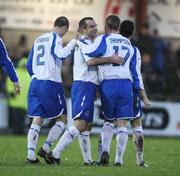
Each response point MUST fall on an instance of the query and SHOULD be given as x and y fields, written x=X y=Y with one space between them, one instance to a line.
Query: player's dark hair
x=82 y=22
x=126 y=28
x=61 y=21
x=113 y=22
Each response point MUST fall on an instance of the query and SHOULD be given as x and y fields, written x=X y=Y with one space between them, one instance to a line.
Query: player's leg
x=106 y=135
x=32 y=139
x=83 y=138
x=82 y=108
x=121 y=141
x=36 y=112
x=85 y=145
x=138 y=137
x=138 y=140
x=54 y=133
x=54 y=105
x=69 y=135
x=124 y=112
x=107 y=93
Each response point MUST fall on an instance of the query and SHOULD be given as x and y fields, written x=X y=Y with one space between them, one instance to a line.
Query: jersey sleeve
x=60 y=52
x=83 y=45
x=96 y=49
x=29 y=62
x=6 y=63
x=135 y=68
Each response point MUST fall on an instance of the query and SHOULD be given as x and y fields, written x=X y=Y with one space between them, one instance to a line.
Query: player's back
x=44 y=65
x=106 y=45
x=115 y=43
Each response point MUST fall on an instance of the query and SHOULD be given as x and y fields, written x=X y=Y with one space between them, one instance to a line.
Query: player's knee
x=122 y=130
x=109 y=123
x=138 y=129
x=80 y=125
x=136 y=122
x=89 y=127
x=37 y=121
x=121 y=123
x=62 y=118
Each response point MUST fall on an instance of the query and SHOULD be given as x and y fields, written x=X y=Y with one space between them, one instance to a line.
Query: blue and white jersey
x=136 y=74
x=46 y=56
x=81 y=71
x=6 y=64
x=106 y=45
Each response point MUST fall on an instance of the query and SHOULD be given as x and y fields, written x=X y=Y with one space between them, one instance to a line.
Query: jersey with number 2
x=45 y=58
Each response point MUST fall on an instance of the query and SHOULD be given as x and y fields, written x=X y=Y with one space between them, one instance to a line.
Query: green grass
x=161 y=154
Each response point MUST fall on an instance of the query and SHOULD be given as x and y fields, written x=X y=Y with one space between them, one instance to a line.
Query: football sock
x=85 y=145
x=107 y=134
x=53 y=135
x=121 y=141
x=68 y=136
x=139 y=143
x=32 y=138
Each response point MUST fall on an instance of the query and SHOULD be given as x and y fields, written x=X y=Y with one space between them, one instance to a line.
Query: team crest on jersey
x=87 y=113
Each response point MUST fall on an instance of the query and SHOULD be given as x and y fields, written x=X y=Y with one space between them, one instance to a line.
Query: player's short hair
x=126 y=28
x=61 y=21
x=113 y=22
x=82 y=22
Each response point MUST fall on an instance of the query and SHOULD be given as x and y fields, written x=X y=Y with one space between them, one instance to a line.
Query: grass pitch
x=161 y=154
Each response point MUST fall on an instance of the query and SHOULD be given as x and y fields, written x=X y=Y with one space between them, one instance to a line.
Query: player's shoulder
x=138 y=54
x=101 y=38
x=127 y=41
x=136 y=48
x=84 y=40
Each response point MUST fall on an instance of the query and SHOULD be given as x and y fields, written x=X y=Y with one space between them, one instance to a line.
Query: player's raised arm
x=96 y=49
x=60 y=52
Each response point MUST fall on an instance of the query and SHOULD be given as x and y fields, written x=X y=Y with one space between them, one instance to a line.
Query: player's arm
x=144 y=98
x=8 y=67
x=137 y=77
x=96 y=49
x=135 y=68
x=60 y=52
x=29 y=61
x=93 y=53
x=114 y=59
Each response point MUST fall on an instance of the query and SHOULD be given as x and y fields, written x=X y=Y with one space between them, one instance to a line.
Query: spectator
x=19 y=50
x=18 y=104
x=144 y=41
x=158 y=58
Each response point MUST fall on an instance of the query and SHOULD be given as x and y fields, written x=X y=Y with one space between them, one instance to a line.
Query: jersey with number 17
x=106 y=45
x=46 y=56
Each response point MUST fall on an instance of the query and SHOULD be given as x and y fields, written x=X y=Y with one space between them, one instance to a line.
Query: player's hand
x=17 y=88
x=115 y=59
x=77 y=33
x=146 y=102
